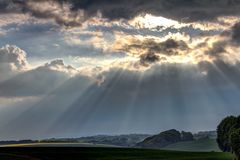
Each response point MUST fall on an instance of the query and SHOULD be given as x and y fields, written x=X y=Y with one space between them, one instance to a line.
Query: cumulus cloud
x=180 y=47
x=152 y=51
x=53 y=78
x=55 y=10
x=147 y=58
x=226 y=46
x=7 y=19
x=169 y=47
x=60 y=12
x=14 y=57
x=12 y=60
x=59 y=66
x=18 y=78
x=38 y=81
x=217 y=49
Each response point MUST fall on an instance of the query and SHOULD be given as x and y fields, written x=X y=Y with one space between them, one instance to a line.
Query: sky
x=72 y=68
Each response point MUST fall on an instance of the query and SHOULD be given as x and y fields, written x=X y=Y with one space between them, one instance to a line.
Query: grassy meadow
x=103 y=153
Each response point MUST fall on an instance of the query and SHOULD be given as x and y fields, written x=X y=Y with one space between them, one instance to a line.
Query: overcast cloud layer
x=186 y=10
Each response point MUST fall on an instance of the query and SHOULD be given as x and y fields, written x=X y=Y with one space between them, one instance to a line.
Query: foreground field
x=96 y=153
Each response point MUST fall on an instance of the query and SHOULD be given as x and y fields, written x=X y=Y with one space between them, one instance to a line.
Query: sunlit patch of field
x=57 y=145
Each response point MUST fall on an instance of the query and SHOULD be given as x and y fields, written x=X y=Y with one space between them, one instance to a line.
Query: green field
x=206 y=145
x=59 y=144
x=96 y=153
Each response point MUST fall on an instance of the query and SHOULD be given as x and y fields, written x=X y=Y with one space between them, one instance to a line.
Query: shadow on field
x=91 y=153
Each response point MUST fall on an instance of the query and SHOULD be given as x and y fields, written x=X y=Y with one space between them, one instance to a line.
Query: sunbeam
x=73 y=68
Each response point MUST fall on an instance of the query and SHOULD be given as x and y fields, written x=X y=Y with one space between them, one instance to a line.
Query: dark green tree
x=187 y=136
x=224 y=130
x=235 y=142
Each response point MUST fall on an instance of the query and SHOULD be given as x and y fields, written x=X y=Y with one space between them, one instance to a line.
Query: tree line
x=228 y=135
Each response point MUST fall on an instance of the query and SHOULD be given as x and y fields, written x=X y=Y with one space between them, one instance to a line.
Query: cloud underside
x=78 y=11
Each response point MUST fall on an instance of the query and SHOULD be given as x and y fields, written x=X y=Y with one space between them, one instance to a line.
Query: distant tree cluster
x=187 y=136
x=165 y=138
x=228 y=138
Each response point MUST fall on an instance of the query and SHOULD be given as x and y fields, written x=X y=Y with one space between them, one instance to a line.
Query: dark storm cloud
x=170 y=47
x=229 y=38
x=181 y=10
x=186 y=10
x=61 y=13
x=6 y=5
x=217 y=49
x=3 y=4
x=236 y=33
x=149 y=58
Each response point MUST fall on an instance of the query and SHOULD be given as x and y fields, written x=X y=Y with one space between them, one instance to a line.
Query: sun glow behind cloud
x=123 y=41
x=157 y=22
